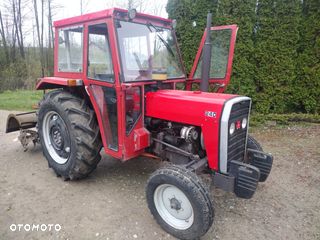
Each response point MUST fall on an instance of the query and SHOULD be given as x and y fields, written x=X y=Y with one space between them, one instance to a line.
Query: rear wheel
x=180 y=202
x=69 y=135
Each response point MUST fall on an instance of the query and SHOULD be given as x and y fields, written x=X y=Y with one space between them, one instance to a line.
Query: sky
x=69 y=8
x=73 y=7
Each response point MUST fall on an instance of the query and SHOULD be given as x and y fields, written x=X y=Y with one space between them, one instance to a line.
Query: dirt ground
x=111 y=204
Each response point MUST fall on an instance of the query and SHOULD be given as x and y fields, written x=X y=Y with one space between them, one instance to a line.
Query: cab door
x=102 y=83
x=223 y=40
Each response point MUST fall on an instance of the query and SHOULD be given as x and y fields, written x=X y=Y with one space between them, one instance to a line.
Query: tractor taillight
x=75 y=82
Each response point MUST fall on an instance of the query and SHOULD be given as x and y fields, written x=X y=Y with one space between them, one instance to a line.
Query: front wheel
x=180 y=202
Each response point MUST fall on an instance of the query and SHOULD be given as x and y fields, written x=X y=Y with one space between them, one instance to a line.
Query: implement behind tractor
x=23 y=122
x=115 y=85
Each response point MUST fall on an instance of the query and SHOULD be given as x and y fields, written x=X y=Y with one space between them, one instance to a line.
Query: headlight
x=244 y=123
x=232 y=128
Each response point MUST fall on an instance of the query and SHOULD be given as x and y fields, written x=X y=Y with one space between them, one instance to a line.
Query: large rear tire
x=180 y=202
x=69 y=135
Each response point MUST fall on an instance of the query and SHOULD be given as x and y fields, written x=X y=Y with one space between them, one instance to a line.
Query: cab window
x=99 y=56
x=70 y=49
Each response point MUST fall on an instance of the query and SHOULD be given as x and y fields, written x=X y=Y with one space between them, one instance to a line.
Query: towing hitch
x=23 y=122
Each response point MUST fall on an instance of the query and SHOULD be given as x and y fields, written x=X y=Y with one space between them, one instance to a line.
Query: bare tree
x=20 y=29
x=4 y=40
x=83 y=6
x=13 y=42
x=151 y=7
x=42 y=48
x=17 y=21
x=49 y=54
x=50 y=31
x=39 y=34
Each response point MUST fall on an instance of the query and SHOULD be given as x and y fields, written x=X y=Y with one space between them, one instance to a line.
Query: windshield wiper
x=166 y=44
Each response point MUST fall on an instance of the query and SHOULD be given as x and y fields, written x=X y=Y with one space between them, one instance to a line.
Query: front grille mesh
x=237 y=141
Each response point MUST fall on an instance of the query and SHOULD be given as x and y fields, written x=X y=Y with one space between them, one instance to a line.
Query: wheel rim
x=56 y=137
x=173 y=206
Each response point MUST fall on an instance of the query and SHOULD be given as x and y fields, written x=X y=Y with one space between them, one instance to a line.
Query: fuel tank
x=194 y=108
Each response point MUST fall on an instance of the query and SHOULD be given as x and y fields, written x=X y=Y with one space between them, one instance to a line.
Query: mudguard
x=16 y=122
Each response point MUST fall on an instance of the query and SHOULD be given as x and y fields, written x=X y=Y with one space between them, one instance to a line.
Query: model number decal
x=210 y=114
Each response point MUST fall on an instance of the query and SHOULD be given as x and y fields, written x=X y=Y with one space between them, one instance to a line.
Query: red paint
x=108 y=13
x=179 y=106
x=51 y=82
x=189 y=108
x=141 y=139
x=126 y=149
x=238 y=125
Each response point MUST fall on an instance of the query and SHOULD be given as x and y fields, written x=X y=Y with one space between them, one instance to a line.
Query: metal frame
x=223 y=81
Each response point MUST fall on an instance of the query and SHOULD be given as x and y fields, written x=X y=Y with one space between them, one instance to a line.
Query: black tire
x=80 y=131
x=253 y=144
x=195 y=191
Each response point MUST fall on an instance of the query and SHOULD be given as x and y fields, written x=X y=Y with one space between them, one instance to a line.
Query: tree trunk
x=50 y=31
x=42 y=20
x=20 y=30
x=4 y=40
x=15 y=22
x=13 y=45
x=38 y=34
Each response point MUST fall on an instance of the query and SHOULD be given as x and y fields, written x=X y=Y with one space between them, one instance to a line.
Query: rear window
x=70 y=49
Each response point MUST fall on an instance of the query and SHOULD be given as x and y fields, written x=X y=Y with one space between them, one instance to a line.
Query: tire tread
x=85 y=127
x=197 y=187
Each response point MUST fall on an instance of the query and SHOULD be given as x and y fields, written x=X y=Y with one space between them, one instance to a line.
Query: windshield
x=146 y=50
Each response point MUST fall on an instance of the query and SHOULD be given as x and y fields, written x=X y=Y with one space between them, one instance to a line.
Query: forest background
x=277 y=54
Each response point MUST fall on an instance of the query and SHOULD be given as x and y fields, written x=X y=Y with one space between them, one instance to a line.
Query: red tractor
x=116 y=80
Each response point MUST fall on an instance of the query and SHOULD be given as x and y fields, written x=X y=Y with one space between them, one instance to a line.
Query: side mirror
x=174 y=23
x=132 y=13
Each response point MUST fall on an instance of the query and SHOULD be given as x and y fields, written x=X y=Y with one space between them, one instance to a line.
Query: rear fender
x=57 y=82
x=16 y=122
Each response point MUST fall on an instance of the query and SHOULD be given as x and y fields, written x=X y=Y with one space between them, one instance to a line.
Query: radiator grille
x=237 y=141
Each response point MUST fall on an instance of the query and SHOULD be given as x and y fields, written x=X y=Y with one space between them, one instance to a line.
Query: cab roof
x=107 y=13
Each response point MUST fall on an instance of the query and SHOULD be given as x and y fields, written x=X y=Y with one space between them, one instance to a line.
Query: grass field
x=19 y=100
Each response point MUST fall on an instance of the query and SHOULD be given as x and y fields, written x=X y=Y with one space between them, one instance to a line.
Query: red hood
x=194 y=108
x=190 y=107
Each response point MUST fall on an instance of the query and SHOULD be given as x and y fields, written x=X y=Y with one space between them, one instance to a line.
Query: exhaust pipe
x=206 y=58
